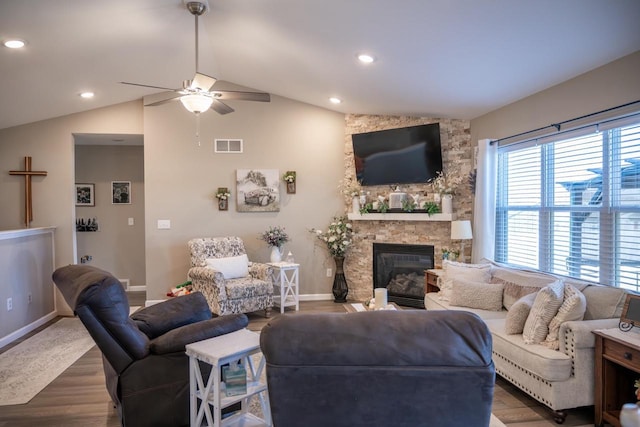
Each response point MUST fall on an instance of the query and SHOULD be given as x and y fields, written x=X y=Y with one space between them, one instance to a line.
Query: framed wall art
x=258 y=190
x=121 y=192
x=85 y=195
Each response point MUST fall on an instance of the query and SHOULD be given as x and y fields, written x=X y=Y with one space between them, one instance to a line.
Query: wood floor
x=78 y=397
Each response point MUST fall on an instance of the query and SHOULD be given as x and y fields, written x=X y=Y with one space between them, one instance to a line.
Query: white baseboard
x=136 y=288
x=8 y=339
x=316 y=297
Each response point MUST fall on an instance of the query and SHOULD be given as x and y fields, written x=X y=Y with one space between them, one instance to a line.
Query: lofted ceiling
x=439 y=58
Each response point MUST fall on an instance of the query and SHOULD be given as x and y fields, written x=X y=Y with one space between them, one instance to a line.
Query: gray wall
x=611 y=85
x=50 y=143
x=181 y=179
x=26 y=264
x=117 y=247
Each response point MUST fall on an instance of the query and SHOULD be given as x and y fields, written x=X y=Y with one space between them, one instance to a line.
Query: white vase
x=276 y=254
x=355 y=205
x=447 y=203
x=630 y=415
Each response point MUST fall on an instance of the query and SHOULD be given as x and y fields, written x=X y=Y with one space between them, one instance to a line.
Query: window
x=571 y=205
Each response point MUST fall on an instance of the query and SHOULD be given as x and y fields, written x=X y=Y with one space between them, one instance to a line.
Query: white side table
x=286 y=277
x=208 y=400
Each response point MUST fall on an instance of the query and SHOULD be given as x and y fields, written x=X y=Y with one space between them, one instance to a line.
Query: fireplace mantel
x=409 y=216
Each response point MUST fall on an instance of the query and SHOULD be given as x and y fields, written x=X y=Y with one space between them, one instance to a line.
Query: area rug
x=31 y=365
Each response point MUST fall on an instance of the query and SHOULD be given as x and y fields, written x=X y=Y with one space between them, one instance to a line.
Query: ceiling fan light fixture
x=196 y=103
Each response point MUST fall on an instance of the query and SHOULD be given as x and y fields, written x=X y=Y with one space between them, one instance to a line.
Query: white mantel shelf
x=401 y=217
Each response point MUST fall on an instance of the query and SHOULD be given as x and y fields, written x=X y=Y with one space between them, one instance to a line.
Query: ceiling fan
x=196 y=95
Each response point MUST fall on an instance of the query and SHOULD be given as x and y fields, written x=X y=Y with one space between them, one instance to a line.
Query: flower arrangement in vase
x=445 y=187
x=290 y=179
x=337 y=237
x=223 y=194
x=275 y=237
x=338 y=241
x=450 y=254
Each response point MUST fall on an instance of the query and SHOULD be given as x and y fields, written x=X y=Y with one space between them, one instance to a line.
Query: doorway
x=109 y=205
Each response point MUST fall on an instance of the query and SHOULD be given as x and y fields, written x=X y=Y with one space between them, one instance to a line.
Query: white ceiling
x=439 y=58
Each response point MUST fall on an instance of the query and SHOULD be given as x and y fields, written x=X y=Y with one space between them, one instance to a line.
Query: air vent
x=228 y=146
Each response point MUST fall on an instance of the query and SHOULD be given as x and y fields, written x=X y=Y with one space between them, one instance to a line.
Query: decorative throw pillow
x=459 y=270
x=231 y=267
x=546 y=305
x=518 y=283
x=518 y=313
x=572 y=308
x=472 y=294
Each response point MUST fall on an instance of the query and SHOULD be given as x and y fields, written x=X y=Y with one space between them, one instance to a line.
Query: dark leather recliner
x=387 y=368
x=146 y=368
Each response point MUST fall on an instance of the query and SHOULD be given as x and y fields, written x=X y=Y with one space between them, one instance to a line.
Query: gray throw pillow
x=518 y=313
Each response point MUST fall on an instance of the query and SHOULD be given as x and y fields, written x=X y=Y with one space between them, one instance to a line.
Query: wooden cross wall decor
x=28 y=173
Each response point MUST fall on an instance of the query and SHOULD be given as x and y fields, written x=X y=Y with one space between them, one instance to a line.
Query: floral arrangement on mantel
x=275 y=236
x=223 y=194
x=289 y=176
x=446 y=184
x=337 y=237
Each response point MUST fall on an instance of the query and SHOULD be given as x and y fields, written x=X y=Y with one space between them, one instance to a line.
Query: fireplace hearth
x=400 y=269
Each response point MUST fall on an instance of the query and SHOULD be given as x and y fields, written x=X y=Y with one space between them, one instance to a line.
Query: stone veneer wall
x=457 y=152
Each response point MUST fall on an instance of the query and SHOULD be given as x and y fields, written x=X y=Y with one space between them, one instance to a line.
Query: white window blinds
x=571 y=205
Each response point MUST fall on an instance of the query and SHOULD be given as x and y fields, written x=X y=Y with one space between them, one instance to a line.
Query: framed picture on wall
x=257 y=190
x=121 y=192
x=85 y=195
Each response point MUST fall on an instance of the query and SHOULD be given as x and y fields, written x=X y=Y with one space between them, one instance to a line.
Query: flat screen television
x=398 y=156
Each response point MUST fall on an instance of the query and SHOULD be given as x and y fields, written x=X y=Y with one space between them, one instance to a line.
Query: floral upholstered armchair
x=221 y=270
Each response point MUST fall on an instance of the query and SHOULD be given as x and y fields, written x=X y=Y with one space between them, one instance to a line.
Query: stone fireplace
x=457 y=152
x=400 y=269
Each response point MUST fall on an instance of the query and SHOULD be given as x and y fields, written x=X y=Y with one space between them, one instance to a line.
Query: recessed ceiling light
x=14 y=44
x=365 y=58
x=335 y=100
x=87 y=95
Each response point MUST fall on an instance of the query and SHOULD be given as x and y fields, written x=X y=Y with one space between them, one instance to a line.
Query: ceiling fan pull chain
x=198 y=129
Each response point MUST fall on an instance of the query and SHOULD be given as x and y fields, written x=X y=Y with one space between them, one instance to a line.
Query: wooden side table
x=286 y=277
x=208 y=397
x=431 y=280
x=617 y=366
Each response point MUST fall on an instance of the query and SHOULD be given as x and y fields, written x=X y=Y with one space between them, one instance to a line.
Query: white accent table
x=286 y=278
x=208 y=400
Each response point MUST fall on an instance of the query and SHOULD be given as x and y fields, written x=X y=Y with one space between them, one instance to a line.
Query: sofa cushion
x=603 y=302
x=572 y=308
x=545 y=306
x=432 y=301
x=518 y=313
x=518 y=283
x=459 y=270
x=247 y=288
x=549 y=364
x=474 y=294
x=231 y=267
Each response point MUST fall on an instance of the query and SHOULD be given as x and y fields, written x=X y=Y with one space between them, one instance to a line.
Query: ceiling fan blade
x=220 y=107
x=241 y=96
x=164 y=101
x=202 y=82
x=153 y=87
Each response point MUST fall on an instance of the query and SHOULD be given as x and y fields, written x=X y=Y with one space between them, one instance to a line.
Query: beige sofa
x=560 y=379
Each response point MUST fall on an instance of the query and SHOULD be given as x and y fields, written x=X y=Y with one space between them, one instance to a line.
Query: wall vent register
x=228 y=146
